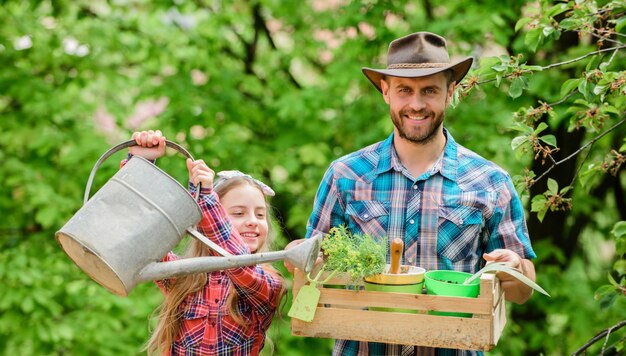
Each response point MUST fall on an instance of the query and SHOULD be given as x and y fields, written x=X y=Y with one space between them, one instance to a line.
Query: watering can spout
x=302 y=256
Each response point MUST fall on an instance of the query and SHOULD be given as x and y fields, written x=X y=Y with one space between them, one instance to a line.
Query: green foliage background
x=274 y=88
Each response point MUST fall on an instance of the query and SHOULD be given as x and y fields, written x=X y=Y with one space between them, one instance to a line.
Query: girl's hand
x=150 y=144
x=199 y=172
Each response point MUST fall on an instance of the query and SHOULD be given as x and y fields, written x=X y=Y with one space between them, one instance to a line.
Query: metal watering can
x=119 y=235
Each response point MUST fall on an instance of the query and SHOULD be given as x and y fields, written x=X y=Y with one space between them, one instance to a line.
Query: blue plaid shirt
x=462 y=207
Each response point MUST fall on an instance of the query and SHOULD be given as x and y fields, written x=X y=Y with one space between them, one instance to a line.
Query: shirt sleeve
x=255 y=285
x=507 y=226
x=327 y=207
x=164 y=284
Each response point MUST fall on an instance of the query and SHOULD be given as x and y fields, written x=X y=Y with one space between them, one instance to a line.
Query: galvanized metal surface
x=118 y=236
x=133 y=220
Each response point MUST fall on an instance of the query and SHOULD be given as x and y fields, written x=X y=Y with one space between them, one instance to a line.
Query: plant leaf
x=569 y=86
x=553 y=186
x=549 y=139
x=503 y=267
x=516 y=88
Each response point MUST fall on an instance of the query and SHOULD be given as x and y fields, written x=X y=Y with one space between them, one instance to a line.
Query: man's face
x=417 y=105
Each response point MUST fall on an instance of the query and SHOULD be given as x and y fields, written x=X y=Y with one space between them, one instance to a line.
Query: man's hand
x=150 y=144
x=514 y=290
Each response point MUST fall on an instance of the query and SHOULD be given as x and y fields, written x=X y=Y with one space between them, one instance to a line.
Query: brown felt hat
x=419 y=54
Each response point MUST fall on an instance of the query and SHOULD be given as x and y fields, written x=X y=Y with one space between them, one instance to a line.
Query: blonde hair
x=169 y=317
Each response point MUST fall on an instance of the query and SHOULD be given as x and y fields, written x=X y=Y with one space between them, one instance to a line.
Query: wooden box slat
x=343 y=314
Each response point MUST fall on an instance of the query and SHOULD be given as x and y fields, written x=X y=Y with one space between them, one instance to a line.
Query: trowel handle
x=397 y=247
x=122 y=146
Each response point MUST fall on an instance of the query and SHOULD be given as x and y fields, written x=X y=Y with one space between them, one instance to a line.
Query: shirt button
x=411 y=221
x=365 y=216
x=217 y=300
x=415 y=187
x=410 y=260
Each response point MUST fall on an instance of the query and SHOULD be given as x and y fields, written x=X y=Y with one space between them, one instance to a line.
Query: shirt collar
x=445 y=165
x=386 y=155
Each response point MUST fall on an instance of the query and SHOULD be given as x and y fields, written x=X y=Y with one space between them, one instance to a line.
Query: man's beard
x=422 y=136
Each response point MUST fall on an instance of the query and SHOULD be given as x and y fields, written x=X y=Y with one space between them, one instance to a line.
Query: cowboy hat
x=418 y=55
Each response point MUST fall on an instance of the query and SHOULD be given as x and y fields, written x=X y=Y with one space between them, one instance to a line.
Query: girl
x=224 y=312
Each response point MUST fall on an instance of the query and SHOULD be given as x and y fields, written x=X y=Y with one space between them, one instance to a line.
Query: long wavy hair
x=168 y=323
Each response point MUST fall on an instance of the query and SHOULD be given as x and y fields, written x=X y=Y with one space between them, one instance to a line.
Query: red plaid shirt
x=207 y=327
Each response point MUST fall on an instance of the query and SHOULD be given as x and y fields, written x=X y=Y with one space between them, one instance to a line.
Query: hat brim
x=459 y=70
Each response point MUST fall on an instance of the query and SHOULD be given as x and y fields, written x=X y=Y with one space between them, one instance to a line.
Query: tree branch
x=583 y=57
x=577 y=151
x=268 y=35
x=553 y=65
x=599 y=336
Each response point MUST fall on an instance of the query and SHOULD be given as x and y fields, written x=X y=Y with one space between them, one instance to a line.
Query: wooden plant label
x=304 y=306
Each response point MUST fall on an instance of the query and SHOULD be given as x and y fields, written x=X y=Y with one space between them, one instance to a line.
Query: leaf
x=620 y=23
x=605 y=295
x=532 y=68
x=500 y=67
x=557 y=9
x=619 y=229
x=518 y=141
x=568 y=24
x=600 y=89
x=539 y=206
x=565 y=190
x=553 y=186
x=547 y=31
x=569 y=86
x=583 y=88
x=522 y=22
x=503 y=267
x=549 y=139
x=533 y=38
x=620 y=266
x=516 y=88
x=603 y=290
x=498 y=80
x=541 y=127
x=518 y=126
x=593 y=63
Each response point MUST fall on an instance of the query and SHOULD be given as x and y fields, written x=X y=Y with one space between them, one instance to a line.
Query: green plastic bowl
x=450 y=283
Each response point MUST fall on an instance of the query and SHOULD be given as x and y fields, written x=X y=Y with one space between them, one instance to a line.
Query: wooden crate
x=343 y=314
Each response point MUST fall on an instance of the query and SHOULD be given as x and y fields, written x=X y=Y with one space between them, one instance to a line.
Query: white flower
x=73 y=47
x=22 y=43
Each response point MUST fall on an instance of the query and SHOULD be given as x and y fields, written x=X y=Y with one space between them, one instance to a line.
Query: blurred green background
x=274 y=88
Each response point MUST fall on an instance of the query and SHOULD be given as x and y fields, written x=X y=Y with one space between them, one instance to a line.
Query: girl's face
x=247 y=210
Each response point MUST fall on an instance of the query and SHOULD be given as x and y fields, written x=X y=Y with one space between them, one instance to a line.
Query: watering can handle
x=119 y=147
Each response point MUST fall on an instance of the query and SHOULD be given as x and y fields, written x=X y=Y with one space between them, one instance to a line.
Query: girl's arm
x=258 y=287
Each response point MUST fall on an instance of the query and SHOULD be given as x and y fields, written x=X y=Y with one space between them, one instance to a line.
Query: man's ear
x=384 y=86
x=450 y=93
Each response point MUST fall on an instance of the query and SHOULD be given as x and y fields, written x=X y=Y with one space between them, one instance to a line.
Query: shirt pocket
x=232 y=333
x=193 y=323
x=459 y=232
x=368 y=216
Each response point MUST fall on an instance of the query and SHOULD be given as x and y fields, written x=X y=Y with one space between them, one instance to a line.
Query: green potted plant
x=357 y=255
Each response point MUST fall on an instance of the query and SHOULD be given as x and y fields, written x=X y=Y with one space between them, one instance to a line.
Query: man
x=454 y=209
